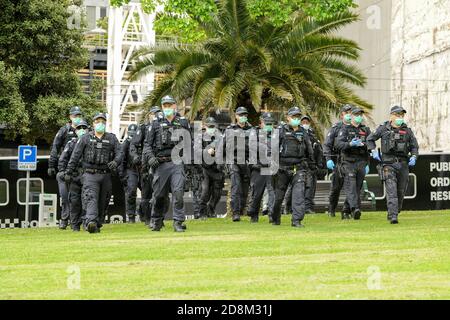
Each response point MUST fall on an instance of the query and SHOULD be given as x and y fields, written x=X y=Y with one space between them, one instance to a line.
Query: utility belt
x=353 y=157
x=294 y=167
x=94 y=171
x=388 y=159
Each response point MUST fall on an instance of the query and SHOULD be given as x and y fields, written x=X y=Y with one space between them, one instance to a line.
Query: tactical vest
x=361 y=133
x=241 y=133
x=99 y=152
x=69 y=135
x=164 y=143
x=396 y=142
x=293 y=145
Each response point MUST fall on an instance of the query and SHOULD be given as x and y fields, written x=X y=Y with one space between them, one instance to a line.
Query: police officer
x=239 y=169
x=129 y=173
x=136 y=156
x=295 y=152
x=167 y=176
x=100 y=153
x=399 y=151
x=331 y=156
x=77 y=213
x=352 y=145
x=213 y=174
x=315 y=167
x=64 y=135
x=259 y=182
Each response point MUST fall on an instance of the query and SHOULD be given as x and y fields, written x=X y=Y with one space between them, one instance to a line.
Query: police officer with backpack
x=399 y=152
x=101 y=155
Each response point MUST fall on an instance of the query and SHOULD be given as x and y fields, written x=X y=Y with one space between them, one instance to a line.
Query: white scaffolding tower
x=129 y=28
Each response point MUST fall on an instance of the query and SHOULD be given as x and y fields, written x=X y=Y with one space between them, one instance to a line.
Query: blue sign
x=27 y=158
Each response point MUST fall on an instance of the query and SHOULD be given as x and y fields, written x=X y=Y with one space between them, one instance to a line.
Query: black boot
x=63 y=224
x=356 y=214
x=131 y=219
x=254 y=219
x=178 y=226
x=297 y=224
x=155 y=224
x=236 y=217
x=92 y=227
x=394 y=219
x=332 y=214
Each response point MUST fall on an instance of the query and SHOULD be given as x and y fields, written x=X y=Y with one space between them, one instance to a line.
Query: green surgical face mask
x=348 y=118
x=399 y=121
x=81 y=132
x=358 y=119
x=294 y=122
x=210 y=130
x=243 y=119
x=268 y=128
x=100 y=127
x=168 y=112
x=76 y=121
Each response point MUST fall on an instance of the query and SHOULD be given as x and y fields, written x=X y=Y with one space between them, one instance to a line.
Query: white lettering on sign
x=440 y=195
x=439 y=166
x=443 y=168
x=440 y=182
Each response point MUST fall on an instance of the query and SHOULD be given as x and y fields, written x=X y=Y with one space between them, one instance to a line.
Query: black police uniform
x=239 y=172
x=353 y=164
x=213 y=178
x=77 y=212
x=314 y=168
x=295 y=152
x=97 y=154
x=129 y=172
x=259 y=182
x=194 y=178
x=337 y=178
x=397 y=145
x=64 y=135
x=167 y=176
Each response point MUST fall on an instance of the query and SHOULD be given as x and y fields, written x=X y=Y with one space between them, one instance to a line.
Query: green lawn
x=218 y=259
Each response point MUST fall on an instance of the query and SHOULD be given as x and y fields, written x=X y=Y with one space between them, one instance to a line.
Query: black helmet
x=268 y=118
x=155 y=109
x=397 y=109
x=82 y=123
x=168 y=99
x=99 y=115
x=241 y=110
x=132 y=127
x=346 y=108
x=294 y=111
x=76 y=110
x=210 y=121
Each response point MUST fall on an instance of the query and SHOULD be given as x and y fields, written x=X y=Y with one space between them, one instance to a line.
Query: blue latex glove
x=412 y=161
x=367 y=169
x=355 y=142
x=330 y=164
x=376 y=155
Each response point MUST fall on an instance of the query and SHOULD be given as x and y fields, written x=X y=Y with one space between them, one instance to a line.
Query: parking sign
x=27 y=158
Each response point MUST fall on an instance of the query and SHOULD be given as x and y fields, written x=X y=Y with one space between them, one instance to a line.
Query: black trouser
x=288 y=200
x=145 y=206
x=64 y=194
x=337 y=183
x=310 y=191
x=258 y=184
x=168 y=177
x=132 y=177
x=396 y=182
x=240 y=183
x=212 y=186
x=77 y=211
x=96 y=193
x=196 y=186
x=354 y=177
x=281 y=182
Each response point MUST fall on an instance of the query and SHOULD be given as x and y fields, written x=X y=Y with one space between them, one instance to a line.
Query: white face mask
x=306 y=126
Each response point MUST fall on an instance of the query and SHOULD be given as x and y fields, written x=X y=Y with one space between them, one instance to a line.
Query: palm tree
x=253 y=63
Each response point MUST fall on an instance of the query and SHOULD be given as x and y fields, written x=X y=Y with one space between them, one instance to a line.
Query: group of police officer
x=83 y=159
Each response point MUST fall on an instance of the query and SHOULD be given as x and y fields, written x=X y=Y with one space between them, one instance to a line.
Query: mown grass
x=219 y=259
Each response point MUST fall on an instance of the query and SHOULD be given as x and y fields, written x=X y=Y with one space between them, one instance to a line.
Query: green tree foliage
x=181 y=17
x=42 y=55
x=245 y=62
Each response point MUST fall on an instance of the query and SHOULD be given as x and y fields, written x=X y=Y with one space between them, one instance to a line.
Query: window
x=102 y=12
x=4 y=192
x=91 y=17
x=36 y=188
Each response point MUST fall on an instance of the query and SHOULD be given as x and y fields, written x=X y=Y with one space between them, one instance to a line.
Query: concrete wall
x=421 y=68
x=373 y=34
